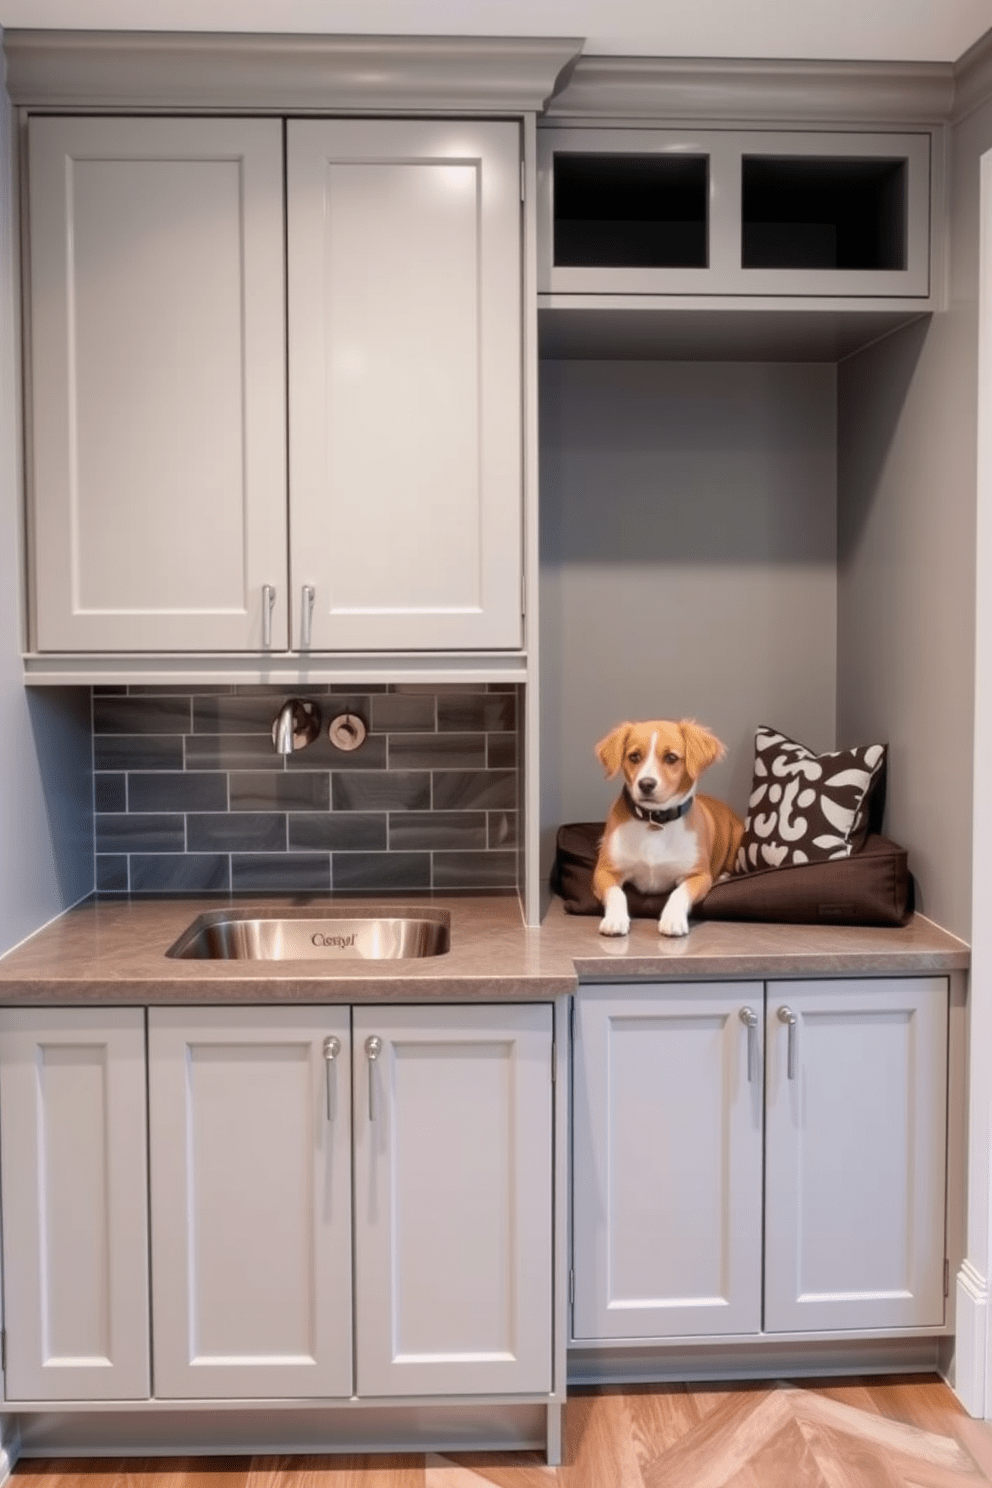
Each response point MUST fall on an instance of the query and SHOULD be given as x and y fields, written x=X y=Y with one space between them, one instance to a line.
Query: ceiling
x=876 y=30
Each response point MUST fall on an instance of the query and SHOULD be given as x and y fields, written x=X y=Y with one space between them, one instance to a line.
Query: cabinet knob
x=332 y=1048
x=373 y=1048
x=786 y=1015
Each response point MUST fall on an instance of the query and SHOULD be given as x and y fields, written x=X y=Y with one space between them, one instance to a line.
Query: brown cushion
x=806 y=807
x=872 y=887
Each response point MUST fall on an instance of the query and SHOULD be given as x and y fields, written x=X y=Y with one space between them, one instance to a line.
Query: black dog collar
x=657 y=818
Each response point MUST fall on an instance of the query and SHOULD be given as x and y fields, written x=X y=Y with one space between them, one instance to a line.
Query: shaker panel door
x=75 y=1252
x=453 y=1202
x=158 y=383
x=667 y=1161
x=856 y=1141
x=405 y=384
x=251 y=1215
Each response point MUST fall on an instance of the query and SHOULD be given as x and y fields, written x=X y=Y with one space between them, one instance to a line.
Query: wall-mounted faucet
x=297 y=724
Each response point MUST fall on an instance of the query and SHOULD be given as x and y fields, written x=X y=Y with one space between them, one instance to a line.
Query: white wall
x=688 y=562
x=46 y=819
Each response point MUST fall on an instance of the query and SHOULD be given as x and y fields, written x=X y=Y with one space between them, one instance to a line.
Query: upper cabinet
x=734 y=213
x=162 y=254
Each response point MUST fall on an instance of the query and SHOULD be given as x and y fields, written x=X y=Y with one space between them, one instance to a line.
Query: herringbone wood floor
x=892 y=1433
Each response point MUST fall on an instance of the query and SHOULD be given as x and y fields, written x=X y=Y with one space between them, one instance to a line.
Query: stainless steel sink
x=257 y=935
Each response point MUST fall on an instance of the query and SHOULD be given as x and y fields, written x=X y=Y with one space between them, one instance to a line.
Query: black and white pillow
x=806 y=807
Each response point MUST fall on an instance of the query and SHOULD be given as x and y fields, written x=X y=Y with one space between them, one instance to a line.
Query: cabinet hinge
x=571 y=1287
x=947 y=1277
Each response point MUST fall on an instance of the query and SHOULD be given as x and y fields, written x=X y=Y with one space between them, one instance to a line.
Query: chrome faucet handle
x=297 y=724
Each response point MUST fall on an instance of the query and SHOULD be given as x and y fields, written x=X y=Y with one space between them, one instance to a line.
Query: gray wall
x=688 y=552
x=46 y=816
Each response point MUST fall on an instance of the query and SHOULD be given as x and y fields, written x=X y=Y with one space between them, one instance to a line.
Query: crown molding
x=973 y=78
x=150 y=71
x=698 y=90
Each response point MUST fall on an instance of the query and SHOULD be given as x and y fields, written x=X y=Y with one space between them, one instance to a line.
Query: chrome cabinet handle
x=268 y=603
x=373 y=1048
x=786 y=1015
x=306 y=637
x=332 y=1048
x=750 y=1020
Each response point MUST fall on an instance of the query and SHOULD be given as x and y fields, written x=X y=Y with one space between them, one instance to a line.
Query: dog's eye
x=635 y=756
x=671 y=759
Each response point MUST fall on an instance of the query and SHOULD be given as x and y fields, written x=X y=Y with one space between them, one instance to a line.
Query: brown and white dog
x=660 y=835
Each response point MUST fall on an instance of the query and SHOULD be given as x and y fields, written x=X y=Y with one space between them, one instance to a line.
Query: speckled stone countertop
x=107 y=952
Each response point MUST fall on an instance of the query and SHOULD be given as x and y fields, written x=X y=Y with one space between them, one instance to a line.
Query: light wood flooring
x=892 y=1433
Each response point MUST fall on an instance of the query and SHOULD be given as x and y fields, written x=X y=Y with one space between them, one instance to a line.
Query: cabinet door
x=667 y=1161
x=453 y=1200
x=158 y=383
x=75 y=1242
x=405 y=383
x=854 y=1228
x=251 y=1219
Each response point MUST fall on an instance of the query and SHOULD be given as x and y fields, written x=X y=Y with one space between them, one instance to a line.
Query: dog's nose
x=647 y=786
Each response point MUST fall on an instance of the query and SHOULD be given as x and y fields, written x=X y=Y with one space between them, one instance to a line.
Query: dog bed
x=871 y=887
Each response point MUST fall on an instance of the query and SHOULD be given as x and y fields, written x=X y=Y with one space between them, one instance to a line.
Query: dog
x=660 y=835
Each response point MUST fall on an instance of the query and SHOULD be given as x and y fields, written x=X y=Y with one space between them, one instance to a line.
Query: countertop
x=107 y=952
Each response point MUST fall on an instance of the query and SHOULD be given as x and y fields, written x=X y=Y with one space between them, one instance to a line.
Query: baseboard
x=971 y=1343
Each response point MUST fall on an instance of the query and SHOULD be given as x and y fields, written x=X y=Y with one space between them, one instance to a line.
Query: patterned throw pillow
x=806 y=807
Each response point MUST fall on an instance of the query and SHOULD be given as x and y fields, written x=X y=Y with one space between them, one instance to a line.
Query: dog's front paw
x=616 y=920
x=675 y=915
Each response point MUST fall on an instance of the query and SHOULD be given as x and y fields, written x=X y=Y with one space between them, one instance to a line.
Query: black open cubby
x=839 y=212
x=631 y=211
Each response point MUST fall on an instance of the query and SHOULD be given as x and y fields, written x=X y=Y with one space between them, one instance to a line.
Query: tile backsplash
x=190 y=795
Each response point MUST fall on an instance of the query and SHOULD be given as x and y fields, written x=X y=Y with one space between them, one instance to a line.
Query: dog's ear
x=702 y=748
x=610 y=750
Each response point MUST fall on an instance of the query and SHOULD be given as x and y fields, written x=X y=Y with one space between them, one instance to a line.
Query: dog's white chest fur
x=654 y=859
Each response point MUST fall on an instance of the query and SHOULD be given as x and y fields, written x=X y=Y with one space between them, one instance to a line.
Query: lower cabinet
x=342 y=1202
x=759 y=1158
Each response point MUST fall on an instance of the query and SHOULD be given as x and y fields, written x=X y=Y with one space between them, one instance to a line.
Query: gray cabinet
x=737 y=213
x=162 y=260
x=682 y=1229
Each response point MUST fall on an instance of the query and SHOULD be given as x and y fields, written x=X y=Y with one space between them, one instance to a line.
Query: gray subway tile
x=324 y=755
x=488 y=712
x=338 y=831
x=255 y=790
x=140 y=832
x=141 y=715
x=177 y=873
x=381 y=871
x=241 y=715
x=281 y=871
x=501 y=751
x=236 y=831
x=231 y=752
x=482 y=870
x=398 y=711
x=388 y=790
x=138 y=752
x=479 y=790
x=110 y=793
x=434 y=830
x=502 y=829
x=437 y=751
x=111 y=873
x=185 y=791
